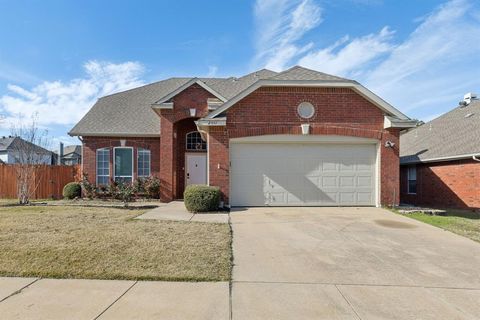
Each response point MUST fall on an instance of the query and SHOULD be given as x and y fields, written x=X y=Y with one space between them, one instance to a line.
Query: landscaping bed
x=107 y=243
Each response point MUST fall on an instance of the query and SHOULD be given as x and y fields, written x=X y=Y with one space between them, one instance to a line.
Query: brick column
x=219 y=164
x=167 y=161
x=390 y=168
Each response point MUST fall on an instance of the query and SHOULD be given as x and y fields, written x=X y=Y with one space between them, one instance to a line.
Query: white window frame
x=113 y=161
x=96 y=166
x=149 y=162
x=409 y=179
x=193 y=150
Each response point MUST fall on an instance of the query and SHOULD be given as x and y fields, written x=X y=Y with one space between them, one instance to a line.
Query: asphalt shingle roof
x=17 y=143
x=5 y=143
x=130 y=113
x=455 y=133
x=72 y=149
x=301 y=73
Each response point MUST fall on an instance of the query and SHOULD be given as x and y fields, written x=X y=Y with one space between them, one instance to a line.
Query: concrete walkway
x=176 y=211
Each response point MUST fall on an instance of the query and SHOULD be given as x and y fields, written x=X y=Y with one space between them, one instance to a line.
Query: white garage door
x=287 y=174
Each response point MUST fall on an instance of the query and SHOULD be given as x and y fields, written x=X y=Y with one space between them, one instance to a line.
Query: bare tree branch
x=29 y=150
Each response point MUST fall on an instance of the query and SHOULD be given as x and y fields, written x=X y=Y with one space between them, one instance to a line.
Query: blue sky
x=58 y=57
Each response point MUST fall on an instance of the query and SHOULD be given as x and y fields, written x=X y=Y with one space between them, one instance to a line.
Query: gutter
x=473 y=156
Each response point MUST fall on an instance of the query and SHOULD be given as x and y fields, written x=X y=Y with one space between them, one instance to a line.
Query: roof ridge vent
x=468 y=98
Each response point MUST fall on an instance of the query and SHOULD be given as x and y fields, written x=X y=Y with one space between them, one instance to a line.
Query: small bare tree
x=29 y=149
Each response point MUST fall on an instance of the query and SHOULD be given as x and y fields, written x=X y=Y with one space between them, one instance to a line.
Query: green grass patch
x=107 y=243
x=464 y=223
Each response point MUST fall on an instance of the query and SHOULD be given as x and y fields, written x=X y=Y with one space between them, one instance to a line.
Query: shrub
x=72 y=190
x=151 y=186
x=201 y=198
x=89 y=189
x=125 y=192
x=112 y=189
x=139 y=185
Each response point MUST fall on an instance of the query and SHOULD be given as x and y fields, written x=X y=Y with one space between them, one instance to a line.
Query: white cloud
x=280 y=24
x=64 y=103
x=212 y=71
x=436 y=64
x=347 y=56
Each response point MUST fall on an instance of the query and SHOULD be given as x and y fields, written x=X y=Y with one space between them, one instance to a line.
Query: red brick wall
x=173 y=126
x=91 y=144
x=273 y=110
x=390 y=168
x=218 y=160
x=452 y=184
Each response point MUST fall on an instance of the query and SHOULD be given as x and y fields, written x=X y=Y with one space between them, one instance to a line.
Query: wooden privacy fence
x=48 y=180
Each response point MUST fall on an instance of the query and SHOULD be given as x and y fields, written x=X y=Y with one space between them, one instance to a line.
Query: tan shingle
x=455 y=133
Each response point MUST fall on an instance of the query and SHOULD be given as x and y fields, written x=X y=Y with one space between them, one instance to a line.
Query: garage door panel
x=364 y=181
x=329 y=166
x=347 y=181
x=302 y=174
x=364 y=197
x=347 y=198
x=329 y=182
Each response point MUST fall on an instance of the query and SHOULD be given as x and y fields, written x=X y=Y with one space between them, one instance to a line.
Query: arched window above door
x=194 y=142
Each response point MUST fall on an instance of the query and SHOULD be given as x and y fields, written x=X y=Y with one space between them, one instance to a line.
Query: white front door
x=196 y=168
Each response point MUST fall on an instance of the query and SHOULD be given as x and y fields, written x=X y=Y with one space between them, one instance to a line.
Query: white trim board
x=296 y=138
x=441 y=159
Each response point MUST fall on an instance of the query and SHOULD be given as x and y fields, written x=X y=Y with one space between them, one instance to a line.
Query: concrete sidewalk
x=176 y=211
x=37 y=299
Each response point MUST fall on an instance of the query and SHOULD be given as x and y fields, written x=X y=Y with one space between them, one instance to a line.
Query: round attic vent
x=306 y=110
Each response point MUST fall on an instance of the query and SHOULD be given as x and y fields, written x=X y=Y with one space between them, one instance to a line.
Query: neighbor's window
x=103 y=166
x=123 y=164
x=412 y=180
x=195 y=142
x=143 y=162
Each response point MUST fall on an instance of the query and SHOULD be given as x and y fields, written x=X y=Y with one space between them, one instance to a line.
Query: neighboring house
x=298 y=137
x=440 y=159
x=16 y=150
x=70 y=155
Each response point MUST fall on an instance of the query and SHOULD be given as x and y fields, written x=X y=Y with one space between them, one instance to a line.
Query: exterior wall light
x=193 y=112
x=389 y=144
x=305 y=128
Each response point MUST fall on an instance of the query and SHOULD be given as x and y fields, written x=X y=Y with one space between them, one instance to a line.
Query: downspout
x=474 y=157
x=81 y=160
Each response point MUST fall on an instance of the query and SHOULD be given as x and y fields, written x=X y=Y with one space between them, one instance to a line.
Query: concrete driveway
x=350 y=263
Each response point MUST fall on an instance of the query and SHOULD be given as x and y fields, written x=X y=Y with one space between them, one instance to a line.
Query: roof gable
x=187 y=85
x=299 y=76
